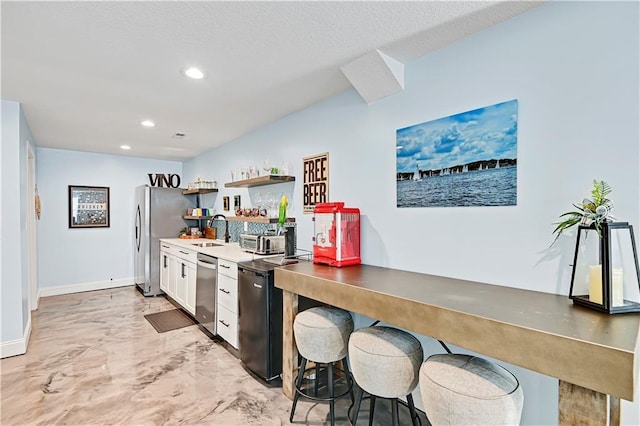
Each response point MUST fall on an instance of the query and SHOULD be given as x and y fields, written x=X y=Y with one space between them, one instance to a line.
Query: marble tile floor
x=94 y=359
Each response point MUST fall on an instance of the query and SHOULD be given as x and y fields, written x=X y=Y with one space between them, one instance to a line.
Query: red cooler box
x=336 y=240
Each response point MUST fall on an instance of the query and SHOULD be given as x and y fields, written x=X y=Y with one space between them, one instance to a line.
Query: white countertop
x=227 y=251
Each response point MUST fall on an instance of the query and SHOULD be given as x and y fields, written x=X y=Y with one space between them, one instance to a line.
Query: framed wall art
x=466 y=159
x=316 y=181
x=88 y=206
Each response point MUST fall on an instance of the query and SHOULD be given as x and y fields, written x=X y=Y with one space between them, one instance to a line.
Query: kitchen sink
x=207 y=244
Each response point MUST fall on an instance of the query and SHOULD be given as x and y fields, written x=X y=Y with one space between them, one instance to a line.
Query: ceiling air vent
x=179 y=135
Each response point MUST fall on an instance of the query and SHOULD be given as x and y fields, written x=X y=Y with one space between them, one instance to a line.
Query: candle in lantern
x=595 y=283
x=617 y=297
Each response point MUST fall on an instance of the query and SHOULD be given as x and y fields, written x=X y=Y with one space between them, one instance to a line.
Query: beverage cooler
x=260 y=319
x=336 y=240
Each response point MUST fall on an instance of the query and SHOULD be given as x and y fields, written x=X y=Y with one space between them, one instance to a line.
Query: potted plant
x=591 y=211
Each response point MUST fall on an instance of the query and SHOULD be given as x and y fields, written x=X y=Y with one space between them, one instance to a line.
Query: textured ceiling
x=87 y=73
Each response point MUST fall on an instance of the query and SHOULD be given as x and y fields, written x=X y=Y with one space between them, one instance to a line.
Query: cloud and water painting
x=467 y=159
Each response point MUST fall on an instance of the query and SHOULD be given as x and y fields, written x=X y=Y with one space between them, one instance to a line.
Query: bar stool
x=385 y=363
x=462 y=389
x=321 y=335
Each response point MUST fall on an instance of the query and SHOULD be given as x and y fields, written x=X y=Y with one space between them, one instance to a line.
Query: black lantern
x=605 y=272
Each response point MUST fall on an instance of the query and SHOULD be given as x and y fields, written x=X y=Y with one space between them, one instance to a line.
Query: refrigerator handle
x=138 y=230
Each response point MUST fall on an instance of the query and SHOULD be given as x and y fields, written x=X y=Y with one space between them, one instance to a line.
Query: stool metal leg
x=331 y=401
x=415 y=420
x=394 y=412
x=317 y=380
x=372 y=407
x=303 y=366
x=349 y=378
x=357 y=405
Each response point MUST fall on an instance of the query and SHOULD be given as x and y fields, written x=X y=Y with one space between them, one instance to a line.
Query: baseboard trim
x=79 y=288
x=18 y=346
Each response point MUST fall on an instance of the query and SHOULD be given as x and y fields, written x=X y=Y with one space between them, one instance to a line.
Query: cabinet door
x=228 y=292
x=190 y=281
x=173 y=271
x=181 y=282
x=228 y=268
x=164 y=271
x=228 y=326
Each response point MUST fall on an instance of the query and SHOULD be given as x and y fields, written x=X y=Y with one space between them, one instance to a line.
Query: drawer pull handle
x=184 y=252
x=225 y=291
x=225 y=266
x=223 y=323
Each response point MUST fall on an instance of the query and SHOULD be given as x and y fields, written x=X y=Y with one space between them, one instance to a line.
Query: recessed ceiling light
x=125 y=147
x=194 y=73
x=147 y=123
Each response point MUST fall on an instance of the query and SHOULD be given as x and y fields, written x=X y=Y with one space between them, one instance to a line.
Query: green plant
x=591 y=211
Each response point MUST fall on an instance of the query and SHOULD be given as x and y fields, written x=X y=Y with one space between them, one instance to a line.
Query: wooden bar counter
x=594 y=355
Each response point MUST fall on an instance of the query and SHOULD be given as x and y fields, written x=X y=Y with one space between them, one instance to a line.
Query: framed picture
x=466 y=159
x=225 y=203
x=88 y=206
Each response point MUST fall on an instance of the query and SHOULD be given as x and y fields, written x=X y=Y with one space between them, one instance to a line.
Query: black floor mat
x=169 y=320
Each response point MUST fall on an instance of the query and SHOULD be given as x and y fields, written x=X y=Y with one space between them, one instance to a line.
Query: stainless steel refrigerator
x=158 y=214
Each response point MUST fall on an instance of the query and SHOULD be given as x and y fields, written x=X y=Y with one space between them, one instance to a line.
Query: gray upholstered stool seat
x=385 y=363
x=322 y=335
x=461 y=389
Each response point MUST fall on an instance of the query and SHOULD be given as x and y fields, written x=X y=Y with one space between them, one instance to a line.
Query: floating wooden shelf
x=257 y=219
x=259 y=181
x=198 y=191
x=197 y=217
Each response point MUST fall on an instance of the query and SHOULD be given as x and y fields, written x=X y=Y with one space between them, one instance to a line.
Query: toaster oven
x=262 y=244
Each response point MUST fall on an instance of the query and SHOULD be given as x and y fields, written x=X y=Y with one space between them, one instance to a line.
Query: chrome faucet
x=226 y=226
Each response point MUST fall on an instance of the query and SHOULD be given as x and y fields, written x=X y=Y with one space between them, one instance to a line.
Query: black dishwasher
x=259 y=319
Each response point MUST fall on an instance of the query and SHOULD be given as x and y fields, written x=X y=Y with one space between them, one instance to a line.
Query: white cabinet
x=190 y=297
x=228 y=326
x=227 y=309
x=168 y=269
x=228 y=292
x=178 y=275
x=164 y=267
x=173 y=275
x=181 y=283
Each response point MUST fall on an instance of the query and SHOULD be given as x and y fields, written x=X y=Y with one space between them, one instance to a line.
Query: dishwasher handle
x=206 y=264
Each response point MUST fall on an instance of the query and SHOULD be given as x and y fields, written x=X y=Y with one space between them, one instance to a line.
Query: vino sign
x=164 y=180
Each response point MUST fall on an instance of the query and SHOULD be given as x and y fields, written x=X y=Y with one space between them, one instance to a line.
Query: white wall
x=574 y=68
x=26 y=138
x=12 y=315
x=81 y=256
x=14 y=285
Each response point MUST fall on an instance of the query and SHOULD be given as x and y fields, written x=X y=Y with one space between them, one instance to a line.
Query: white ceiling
x=87 y=73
